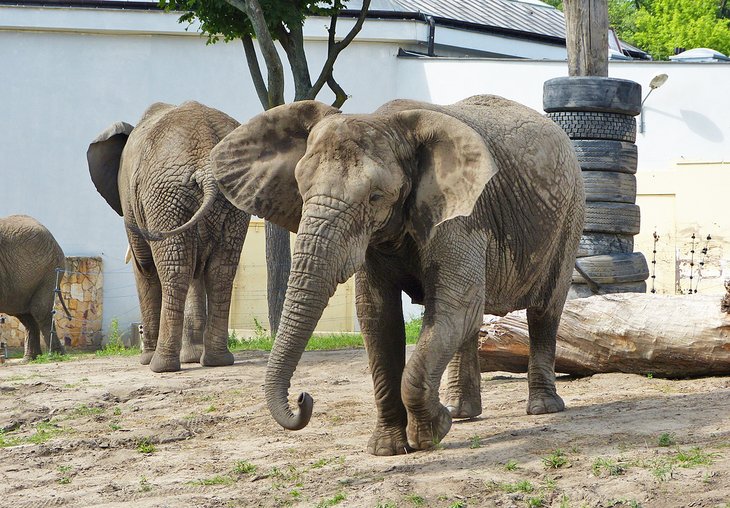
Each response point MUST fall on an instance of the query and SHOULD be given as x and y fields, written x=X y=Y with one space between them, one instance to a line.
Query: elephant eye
x=375 y=196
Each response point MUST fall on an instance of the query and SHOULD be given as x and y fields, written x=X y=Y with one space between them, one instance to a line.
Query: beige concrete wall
x=248 y=302
x=689 y=198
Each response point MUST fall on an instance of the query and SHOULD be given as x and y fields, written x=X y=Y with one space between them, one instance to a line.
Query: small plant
x=413 y=330
x=65 y=478
x=51 y=358
x=458 y=504
x=259 y=332
x=564 y=501
x=244 y=467
x=416 y=500
x=607 y=467
x=693 y=457
x=210 y=409
x=650 y=376
x=117 y=411
x=386 y=504
x=475 y=442
x=535 y=502
x=555 y=460
x=666 y=439
x=84 y=410
x=523 y=486
x=114 y=345
x=511 y=465
x=214 y=480
x=146 y=446
x=144 y=484
x=45 y=431
x=114 y=426
x=337 y=499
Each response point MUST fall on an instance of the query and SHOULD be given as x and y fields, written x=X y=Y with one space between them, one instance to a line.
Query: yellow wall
x=248 y=303
x=690 y=198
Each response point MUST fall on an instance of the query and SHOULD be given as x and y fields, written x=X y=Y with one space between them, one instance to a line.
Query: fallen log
x=662 y=335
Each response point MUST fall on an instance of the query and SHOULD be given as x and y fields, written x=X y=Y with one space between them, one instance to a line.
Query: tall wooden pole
x=586 y=23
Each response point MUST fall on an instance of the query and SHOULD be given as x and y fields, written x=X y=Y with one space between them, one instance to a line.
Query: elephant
x=185 y=237
x=470 y=208
x=30 y=259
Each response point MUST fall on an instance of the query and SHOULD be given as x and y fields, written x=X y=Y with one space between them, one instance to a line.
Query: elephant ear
x=103 y=156
x=453 y=166
x=254 y=164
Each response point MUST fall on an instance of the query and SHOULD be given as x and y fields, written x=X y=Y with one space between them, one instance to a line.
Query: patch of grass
x=84 y=410
x=44 y=431
x=458 y=504
x=555 y=460
x=607 y=467
x=523 y=486
x=323 y=462
x=144 y=484
x=6 y=440
x=114 y=426
x=335 y=500
x=115 y=346
x=146 y=446
x=210 y=409
x=214 y=480
x=117 y=411
x=693 y=457
x=564 y=501
x=475 y=442
x=666 y=439
x=535 y=502
x=244 y=467
x=386 y=504
x=52 y=358
x=416 y=500
x=413 y=330
x=64 y=480
x=511 y=465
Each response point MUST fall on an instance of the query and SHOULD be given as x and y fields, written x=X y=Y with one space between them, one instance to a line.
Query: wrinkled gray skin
x=29 y=258
x=185 y=237
x=470 y=208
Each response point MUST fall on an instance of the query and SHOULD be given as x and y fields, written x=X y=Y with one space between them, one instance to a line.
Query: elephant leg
x=454 y=305
x=32 y=336
x=219 y=274
x=174 y=259
x=52 y=342
x=149 y=291
x=463 y=388
x=194 y=322
x=380 y=314
x=543 y=328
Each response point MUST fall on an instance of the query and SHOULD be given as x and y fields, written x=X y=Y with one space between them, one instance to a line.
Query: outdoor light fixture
x=655 y=83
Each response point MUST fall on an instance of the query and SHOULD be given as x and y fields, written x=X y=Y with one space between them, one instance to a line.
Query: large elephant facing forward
x=157 y=176
x=29 y=260
x=469 y=208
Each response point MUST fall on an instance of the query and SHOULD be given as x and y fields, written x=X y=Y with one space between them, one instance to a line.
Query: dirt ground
x=108 y=432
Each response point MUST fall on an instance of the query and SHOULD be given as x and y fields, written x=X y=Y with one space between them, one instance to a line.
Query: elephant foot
x=387 y=441
x=216 y=360
x=161 y=363
x=146 y=357
x=191 y=354
x=464 y=407
x=543 y=403
x=426 y=434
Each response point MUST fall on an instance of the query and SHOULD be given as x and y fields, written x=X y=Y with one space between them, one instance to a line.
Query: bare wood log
x=586 y=31
x=663 y=335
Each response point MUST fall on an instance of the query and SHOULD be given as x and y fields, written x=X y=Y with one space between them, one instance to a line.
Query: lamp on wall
x=655 y=83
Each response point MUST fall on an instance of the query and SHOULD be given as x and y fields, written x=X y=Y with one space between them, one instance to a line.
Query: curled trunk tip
x=299 y=420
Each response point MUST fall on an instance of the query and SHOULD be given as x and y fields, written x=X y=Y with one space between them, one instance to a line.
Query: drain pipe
x=431 y=33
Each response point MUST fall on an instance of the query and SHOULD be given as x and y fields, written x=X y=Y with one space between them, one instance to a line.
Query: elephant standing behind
x=185 y=237
x=469 y=208
x=29 y=260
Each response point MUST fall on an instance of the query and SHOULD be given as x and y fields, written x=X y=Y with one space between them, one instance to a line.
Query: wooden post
x=586 y=28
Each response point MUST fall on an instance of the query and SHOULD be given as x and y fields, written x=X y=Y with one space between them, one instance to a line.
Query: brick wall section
x=82 y=289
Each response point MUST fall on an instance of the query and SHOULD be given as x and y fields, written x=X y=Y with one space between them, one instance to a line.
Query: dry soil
x=108 y=432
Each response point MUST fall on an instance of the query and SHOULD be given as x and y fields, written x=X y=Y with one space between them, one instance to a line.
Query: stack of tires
x=598 y=115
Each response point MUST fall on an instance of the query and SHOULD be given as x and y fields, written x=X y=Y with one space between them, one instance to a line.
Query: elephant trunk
x=318 y=264
x=203 y=178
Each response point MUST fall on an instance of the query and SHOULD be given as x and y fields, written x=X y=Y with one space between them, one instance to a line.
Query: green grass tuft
x=115 y=346
x=52 y=358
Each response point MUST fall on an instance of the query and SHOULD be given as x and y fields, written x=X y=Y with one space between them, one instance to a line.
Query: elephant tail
x=58 y=292
x=204 y=179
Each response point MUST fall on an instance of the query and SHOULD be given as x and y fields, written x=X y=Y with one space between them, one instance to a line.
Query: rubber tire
x=592 y=93
x=593 y=125
x=584 y=291
x=612 y=269
x=606 y=155
x=598 y=244
x=609 y=186
x=604 y=217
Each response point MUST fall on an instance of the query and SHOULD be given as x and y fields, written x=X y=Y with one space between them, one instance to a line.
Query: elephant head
x=344 y=183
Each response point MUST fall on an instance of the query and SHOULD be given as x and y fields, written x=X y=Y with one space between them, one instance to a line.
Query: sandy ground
x=210 y=427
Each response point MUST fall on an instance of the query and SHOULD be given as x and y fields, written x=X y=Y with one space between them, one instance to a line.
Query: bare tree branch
x=255 y=71
x=340 y=95
x=334 y=48
x=252 y=9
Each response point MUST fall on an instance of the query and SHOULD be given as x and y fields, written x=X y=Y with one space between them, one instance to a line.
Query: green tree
x=268 y=21
x=666 y=24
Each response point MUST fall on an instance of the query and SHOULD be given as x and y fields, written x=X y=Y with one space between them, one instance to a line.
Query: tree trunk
x=278 y=265
x=662 y=335
x=586 y=31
